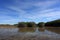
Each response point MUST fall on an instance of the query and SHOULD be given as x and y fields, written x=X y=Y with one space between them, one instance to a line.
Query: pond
x=29 y=34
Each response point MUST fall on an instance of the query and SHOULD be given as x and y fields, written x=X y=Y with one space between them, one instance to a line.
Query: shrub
x=31 y=24
x=41 y=24
x=55 y=23
x=22 y=24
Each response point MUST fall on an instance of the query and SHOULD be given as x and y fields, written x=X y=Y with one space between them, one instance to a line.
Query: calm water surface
x=28 y=32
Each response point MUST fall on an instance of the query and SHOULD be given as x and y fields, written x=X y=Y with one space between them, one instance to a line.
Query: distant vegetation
x=22 y=24
x=55 y=23
x=5 y=25
x=41 y=24
x=30 y=24
x=26 y=24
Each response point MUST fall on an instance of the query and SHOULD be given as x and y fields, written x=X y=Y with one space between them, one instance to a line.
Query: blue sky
x=14 y=11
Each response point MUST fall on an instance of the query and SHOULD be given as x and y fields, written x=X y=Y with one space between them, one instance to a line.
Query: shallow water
x=9 y=32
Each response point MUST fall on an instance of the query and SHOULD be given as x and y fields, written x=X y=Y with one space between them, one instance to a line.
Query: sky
x=14 y=11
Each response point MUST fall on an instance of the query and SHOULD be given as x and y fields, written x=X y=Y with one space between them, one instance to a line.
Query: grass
x=8 y=26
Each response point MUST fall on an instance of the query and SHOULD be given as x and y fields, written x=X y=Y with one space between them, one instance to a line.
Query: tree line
x=29 y=24
x=55 y=23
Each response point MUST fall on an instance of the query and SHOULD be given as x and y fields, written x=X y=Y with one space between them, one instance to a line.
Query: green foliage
x=26 y=24
x=41 y=24
x=55 y=23
x=22 y=24
x=15 y=24
x=31 y=24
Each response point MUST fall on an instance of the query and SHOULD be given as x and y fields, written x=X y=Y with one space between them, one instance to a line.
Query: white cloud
x=43 y=4
x=41 y=11
x=51 y=13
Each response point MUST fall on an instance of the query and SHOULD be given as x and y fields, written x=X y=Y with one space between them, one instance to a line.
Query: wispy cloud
x=13 y=11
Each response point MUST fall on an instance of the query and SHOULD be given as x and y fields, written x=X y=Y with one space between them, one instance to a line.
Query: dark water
x=7 y=32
